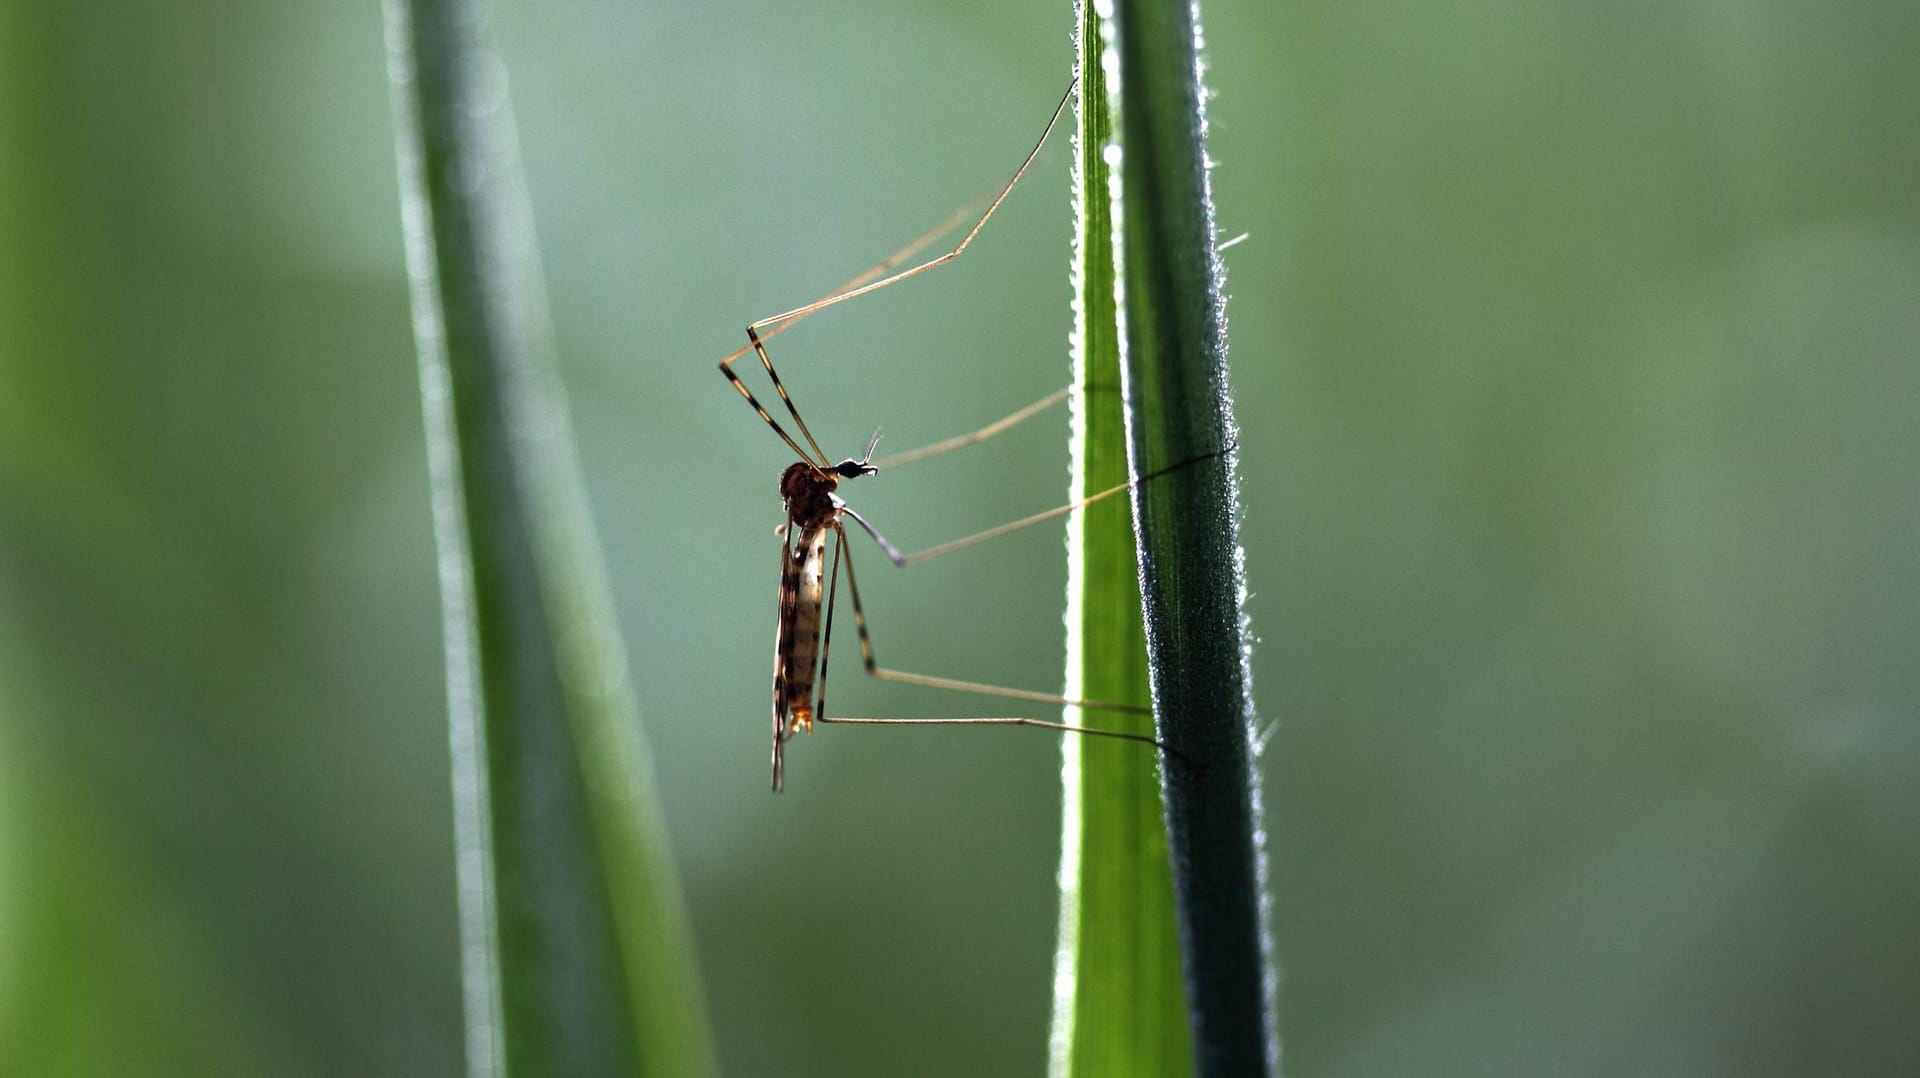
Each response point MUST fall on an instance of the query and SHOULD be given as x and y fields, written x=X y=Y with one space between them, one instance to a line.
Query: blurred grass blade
x=1118 y=1008
x=1179 y=414
x=575 y=948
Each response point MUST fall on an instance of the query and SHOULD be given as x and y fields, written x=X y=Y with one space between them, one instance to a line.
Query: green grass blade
x=1118 y=1008
x=576 y=951
x=1180 y=415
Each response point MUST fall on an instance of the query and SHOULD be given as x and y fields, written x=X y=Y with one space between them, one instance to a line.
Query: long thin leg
x=892 y=552
x=940 y=260
x=780 y=388
x=860 y=286
x=780 y=659
x=958 y=217
x=826 y=632
x=1008 y=721
x=950 y=546
x=726 y=368
x=903 y=560
x=965 y=541
x=880 y=268
x=975 y=437
x=874 y=668
x=756 y=341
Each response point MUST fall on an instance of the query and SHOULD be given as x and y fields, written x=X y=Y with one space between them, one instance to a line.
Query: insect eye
x=853 y=469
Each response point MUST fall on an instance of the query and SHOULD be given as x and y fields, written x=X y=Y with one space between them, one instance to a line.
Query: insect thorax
x=808 y=493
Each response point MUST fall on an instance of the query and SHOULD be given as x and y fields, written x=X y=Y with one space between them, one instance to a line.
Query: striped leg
x=785 y=618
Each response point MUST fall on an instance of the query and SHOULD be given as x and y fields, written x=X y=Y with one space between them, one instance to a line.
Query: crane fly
x=816 y=516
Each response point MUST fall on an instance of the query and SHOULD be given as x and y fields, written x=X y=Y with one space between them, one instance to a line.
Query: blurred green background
x=1574 y=346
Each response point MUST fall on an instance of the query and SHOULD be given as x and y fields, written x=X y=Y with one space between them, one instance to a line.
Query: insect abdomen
x=799 y=641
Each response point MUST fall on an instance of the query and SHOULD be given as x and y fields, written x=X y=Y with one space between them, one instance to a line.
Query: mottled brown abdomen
x=797 y=644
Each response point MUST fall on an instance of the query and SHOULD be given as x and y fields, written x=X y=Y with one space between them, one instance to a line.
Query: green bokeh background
x=1574 y=348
